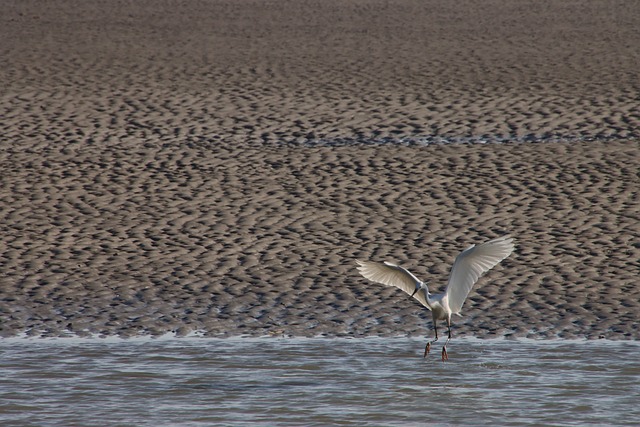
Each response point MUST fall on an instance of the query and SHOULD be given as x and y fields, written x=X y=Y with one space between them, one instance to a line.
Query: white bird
x=469 y=265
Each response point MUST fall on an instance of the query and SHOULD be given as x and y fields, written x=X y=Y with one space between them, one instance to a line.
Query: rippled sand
x=161 y=172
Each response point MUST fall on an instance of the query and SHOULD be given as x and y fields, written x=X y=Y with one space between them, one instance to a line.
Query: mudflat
x=218 y=166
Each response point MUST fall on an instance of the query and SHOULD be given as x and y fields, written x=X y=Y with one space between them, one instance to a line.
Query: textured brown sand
x=156 y=173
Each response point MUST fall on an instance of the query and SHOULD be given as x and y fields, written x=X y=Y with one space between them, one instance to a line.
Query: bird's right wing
x=392 y=275
x=472 y=263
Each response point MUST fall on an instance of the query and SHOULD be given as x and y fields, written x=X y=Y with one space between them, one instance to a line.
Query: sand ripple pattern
x=257 y=240
x=216 y=167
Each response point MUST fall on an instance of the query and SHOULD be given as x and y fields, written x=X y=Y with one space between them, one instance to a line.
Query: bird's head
x=419 y=286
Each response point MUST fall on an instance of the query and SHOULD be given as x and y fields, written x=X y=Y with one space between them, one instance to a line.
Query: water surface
x=292 y=382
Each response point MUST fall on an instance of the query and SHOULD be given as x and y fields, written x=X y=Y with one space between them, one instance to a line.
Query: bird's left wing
x=392 y=275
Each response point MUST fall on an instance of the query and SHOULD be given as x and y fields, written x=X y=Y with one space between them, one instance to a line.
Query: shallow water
x=273 y=381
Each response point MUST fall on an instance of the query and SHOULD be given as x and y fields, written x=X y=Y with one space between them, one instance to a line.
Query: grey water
x=316 y=382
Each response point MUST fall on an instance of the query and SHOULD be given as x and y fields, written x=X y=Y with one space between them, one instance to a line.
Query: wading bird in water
x=469 y=265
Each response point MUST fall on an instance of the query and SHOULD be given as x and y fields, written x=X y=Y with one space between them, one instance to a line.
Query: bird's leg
x=445 y=356
x=428 y=347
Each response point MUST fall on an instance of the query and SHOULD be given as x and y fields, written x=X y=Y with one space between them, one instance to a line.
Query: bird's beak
x=414 y=292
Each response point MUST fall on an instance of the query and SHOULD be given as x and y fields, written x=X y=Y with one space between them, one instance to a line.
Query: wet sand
x=172 y=167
